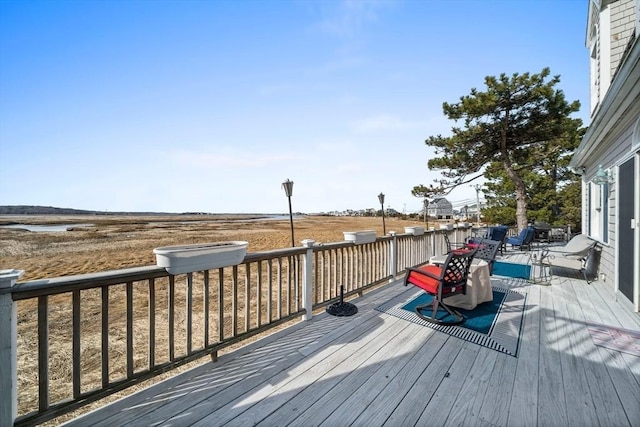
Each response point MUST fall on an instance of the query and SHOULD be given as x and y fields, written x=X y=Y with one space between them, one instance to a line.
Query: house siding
x=441 y=209
x=614 y=49
x=618 y=148
x=622 y=26
x=608 y=35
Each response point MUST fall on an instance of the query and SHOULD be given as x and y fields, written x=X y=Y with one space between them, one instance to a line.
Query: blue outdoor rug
x=511 y=269
x=494 y=324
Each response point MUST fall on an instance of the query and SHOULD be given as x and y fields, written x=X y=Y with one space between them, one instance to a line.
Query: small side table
x=539 y=270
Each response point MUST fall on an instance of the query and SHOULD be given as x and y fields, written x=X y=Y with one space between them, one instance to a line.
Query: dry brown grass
x=120 y=242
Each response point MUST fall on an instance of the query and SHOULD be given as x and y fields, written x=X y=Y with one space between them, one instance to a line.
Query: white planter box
x=360 y=237
x=446 y=226
x=416 y=231
x=205 y=256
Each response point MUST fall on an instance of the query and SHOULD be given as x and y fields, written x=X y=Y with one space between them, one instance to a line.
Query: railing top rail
x=57 y=285
x=275 y=253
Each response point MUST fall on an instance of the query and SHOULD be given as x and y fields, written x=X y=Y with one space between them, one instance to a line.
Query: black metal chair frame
x=488 y=250
x=451 y=246
x=453 y=274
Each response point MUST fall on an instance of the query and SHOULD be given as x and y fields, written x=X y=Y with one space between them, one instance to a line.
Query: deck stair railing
x=102 y=332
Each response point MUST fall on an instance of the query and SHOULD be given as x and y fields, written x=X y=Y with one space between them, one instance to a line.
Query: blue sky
x=123 y=105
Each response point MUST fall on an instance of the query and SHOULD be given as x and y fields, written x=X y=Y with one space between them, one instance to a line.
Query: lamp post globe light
x=381 y=199
x=288 y=190
x=603 y=177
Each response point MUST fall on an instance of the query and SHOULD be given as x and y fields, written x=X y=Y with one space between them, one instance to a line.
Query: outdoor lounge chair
x=441 y=282
x=524 y=239
x=574 y=255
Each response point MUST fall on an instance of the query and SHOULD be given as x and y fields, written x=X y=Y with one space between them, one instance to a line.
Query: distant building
x=440 y=208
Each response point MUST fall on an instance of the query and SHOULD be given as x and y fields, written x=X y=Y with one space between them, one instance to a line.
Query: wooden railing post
x=393 y=263
x=307 y=279
x=8 y=348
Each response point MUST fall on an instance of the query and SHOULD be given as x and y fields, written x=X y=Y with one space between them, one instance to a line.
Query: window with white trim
x=599 y=212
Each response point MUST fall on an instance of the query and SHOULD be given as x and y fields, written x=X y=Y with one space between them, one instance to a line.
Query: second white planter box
x=416 y=231
x=206 y=256
x=360 y=237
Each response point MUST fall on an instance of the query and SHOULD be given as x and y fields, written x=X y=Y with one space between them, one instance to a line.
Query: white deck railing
x=100 y=333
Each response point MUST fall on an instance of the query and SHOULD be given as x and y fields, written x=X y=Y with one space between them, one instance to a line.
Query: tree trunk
x=521 y=207
x=521 y=197
x=521 y=190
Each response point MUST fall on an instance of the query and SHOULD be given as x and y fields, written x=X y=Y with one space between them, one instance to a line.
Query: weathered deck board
x=322 y=375
x=523 y=410
x=552 y=407
x=580 y=405
x=618 y=366
x=375 y=369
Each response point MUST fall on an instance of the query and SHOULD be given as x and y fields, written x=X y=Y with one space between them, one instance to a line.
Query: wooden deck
x=373 y=369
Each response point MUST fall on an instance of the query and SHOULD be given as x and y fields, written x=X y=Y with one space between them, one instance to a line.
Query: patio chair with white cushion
x=574 y=255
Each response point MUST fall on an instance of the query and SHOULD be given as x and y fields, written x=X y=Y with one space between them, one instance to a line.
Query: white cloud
x=351 y=16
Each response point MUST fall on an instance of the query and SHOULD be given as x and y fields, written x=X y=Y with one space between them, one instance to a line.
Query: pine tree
x=517 y=130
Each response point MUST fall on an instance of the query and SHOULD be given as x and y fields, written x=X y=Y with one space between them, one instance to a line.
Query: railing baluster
x=279 y=287
x=269 y=290
x=104 y=345
x=171 y=319
x=289 y=277
x=297 y=279
x=152 y=323
x=344 y=258
x=247 y=300
x=129 y=329
x=259 y=295
x=330 y=274
x=337 y=271
x=205 y=305
x=189 y=311
x=75 y=346
x=220 y=304
x=320 y=283
x=352 y=269
x=234 y=302
x=43 y=353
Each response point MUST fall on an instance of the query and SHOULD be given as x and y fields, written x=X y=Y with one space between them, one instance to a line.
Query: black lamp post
x=426 y=213
x=288 y=190
x=381 y=199
x=478 y=187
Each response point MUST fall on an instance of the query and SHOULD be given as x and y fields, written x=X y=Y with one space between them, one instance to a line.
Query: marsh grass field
x=114 y=242
x=104 y=243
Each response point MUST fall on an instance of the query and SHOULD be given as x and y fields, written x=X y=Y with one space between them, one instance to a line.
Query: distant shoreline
x=43 y=222
x=51 y=210
x=12 y=220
